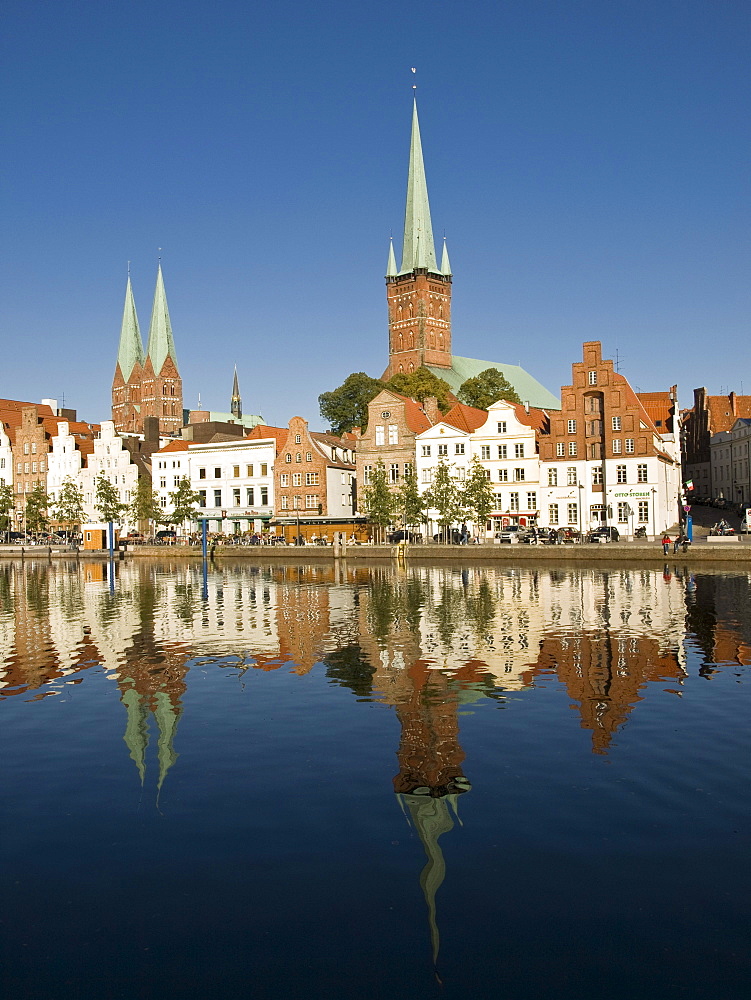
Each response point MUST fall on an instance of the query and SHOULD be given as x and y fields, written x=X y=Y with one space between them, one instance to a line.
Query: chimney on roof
x=526 y=405
x=731 y=398
x=151 y=429
x=432 y=411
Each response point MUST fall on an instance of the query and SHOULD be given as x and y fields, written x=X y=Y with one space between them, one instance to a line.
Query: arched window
x=288 y=457
x=164 y=390
x=172 y=390
x=440 y=312
x=430 y=309
x=411 y=339
x=399 y=312
x=411 y=311
x=298 y=457
x=164 y=409
x=401 y=342
x=411 y=366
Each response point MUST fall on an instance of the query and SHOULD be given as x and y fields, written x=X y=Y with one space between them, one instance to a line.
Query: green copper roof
x=130 y=350
x=418 y=249
x=529 y=389
x=445 y=263
x=391 y=266
x=161 y=343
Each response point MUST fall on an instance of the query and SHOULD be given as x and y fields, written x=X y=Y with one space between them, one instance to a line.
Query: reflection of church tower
x=419 y=294
x=236 y=406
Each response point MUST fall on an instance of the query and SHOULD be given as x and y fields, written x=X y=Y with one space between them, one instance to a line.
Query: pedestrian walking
x=666 y=544
x=677 y=543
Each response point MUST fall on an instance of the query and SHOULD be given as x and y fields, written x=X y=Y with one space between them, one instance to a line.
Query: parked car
x=402 y=535
x=166 y=536
x=605 y=533
x=568 y=535
x=512 y=533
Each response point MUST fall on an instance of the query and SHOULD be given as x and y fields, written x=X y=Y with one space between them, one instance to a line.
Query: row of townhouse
x=609 y=456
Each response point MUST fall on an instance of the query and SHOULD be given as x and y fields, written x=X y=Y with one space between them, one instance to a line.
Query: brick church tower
x=147 y=386
x=419 y=294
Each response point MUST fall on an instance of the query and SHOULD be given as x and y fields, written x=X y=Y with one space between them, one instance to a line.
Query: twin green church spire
x=418 y=248
x=160 y=343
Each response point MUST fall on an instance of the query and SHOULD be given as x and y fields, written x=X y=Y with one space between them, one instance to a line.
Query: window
x=426 y=475
x=264 y=496
x=394 y=472
x=623 y=512
x=573 y=513
x=236 y=471
x=380 y=434
x=264 y=469
x=26 y=447
x=248 y=470
x=503 y=451
x=298 y=457
x=629 y=446
x=572 y=427
x=311 y=479
x=552 y=477
x=519 y=475
x=501 y=426
x=217 y=498
x=616 y=446
x=33 y=467
x=311 y=501
x=503 y=475
x=532 y=501
x=487 y=473
x=426 y=451
x=572 y=448
x=459 y=449
x=33 y=447
x=499 y=501
x=366 y=474
x=202 y=498
x=513 y=503
x=597 y=475
x=201 y=473
x=297 y=478
x=518 y=451
x=250 y=498
x=592 y=378
x=643 y=513
x=407 y=469
x=616 y=423
x=284 y=479
x=288 y=457
x=175 y=481
x=285 y=500
x=571 y=475
x=620 y=473
x=236 y=497
x=485 y=452
x=217 y=473
x=443 y=449
x=298 y=439
x=393 y=434
x=553 y=513
x=309 y=457
x=560 y=449
x=641 y=473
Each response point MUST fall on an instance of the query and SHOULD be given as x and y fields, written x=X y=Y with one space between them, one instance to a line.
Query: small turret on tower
x=236 y=406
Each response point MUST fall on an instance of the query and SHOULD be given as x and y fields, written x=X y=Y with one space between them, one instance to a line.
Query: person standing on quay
x=666 y=543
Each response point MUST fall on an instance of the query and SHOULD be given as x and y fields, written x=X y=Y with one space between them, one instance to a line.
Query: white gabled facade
x=64 y=461
x=6 y=459
x=235 y=480
x=111 y=457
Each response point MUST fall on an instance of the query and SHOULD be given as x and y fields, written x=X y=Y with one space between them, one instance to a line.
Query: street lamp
x=580 y=487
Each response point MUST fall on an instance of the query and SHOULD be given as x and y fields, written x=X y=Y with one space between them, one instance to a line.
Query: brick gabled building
x=709 y=415
x=394 y=421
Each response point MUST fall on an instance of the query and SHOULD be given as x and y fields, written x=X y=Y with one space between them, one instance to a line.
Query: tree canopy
x=36 y=508
x=478 y=495
x=185 y=502
x=420 y=384
x=445 y=497
x=107 y=499
x=347 y=406
x=144 y=505
x=7 y=501
x=68 y=508
x=487 y=388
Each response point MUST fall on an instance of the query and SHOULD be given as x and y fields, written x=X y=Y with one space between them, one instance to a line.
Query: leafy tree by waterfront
x=68 y=508
x=185 y=503
x=408 y=500
x=377 y=498
x=107 y=501
x=347 y=406
x=478 y=496
x=37 y=503
x=487 y=388
x=144 y=505
x=7 y=503
x=420 y=384
x=445 y=497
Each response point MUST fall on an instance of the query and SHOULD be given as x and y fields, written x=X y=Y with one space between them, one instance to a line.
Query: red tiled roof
x=723 y=412
x=465 y=418
x=659 y=406
x=179 y=445
x=262 y=431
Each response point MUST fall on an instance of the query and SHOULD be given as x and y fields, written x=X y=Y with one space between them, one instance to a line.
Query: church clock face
x=385 y=414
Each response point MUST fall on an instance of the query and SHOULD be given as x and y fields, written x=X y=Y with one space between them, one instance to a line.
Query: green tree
x=408 y=500
x=478 y=495
x=68 y=508
x=7 y=503
x=377 y=498
x=445 y=498
x=36 y=508
x=487 y=388
x=420 y=384
x=107 y=501
x=184 y=503
x=347 y=406
x=144 y=504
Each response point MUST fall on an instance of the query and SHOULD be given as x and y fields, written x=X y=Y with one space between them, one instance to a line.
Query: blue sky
x=587 y=161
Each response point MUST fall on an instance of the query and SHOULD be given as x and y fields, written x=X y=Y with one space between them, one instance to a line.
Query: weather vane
x=414 y=70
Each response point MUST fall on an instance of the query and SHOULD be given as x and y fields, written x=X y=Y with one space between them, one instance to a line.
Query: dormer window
x=592 y=378
x=298 y=439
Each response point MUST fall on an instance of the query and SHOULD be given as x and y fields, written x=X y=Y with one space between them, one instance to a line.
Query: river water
x=370 y=782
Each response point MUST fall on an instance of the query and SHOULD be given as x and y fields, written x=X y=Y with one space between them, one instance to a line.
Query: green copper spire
x=236 y=405
x=445 y=264
x=419 y=249
x=391 y=266
x=130 y=350
x=161 y=343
